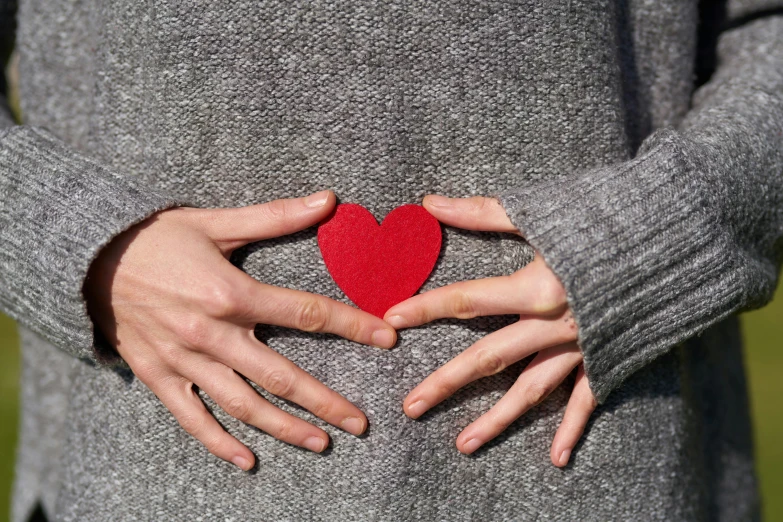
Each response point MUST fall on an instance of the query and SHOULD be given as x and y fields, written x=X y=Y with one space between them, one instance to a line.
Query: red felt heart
x=379 y=266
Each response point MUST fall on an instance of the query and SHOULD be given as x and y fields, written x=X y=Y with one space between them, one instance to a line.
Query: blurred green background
x=763 y=330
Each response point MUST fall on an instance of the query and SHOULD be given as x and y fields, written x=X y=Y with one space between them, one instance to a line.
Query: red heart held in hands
x=379 y=266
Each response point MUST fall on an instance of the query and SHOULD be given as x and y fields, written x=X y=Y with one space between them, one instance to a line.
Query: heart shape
x=378 y=266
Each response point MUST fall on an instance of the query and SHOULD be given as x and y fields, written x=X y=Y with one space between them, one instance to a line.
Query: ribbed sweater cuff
x=58 y=209
x=639 y=250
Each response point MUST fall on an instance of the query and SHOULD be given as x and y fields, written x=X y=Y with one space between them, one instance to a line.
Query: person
x=610 y=181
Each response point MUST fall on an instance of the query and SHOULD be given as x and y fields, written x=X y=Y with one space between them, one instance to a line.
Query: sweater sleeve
x=656 y=249
x=58 y=208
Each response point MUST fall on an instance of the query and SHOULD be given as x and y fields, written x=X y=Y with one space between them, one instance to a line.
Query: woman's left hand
x=545 y=326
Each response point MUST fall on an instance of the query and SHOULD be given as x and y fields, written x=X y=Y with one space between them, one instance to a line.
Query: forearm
x=736 y=124
x=654 y=250
x=58 y=209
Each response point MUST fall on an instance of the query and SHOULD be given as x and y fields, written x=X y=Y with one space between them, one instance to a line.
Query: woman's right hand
x=180 y=314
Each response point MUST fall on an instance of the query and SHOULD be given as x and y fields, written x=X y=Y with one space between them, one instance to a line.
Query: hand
x=179 y=313
x=545 y=325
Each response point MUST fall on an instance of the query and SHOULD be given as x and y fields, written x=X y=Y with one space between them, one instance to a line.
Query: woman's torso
x=234 y=103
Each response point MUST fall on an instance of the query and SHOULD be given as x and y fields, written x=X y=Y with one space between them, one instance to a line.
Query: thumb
x=235 y=227
x=475 y=213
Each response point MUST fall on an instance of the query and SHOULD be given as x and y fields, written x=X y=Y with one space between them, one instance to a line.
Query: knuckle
x=462 y=305
x=145 y=371
x=550 y=294
x=280 y=383
x=444 y=388
x=323 y=409
x=479 y=204
x=171 y=354
x=240 y=407
x=421 y=314
x=536 y=392
x=311 y=315
x=553 y=295
x=497 y=424
x=191 y=423
x=276 y=210
x=220 y=300
x=353 y=329
x=193 y=330
x=214 y=444
x=489 y=362
x=283 y=430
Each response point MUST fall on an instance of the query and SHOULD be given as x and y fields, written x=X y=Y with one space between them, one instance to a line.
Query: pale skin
x=181 y=315
x=546 y=328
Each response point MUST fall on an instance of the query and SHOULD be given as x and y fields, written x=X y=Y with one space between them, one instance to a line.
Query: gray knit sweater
x=658 y=204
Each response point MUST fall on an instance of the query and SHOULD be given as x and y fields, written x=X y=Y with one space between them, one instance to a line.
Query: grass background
x=763 y=331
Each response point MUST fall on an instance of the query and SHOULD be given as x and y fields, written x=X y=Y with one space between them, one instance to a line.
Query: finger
x=177 y=394
x=238 y=399
x=545 y=373
x=475 y=213
x=308 y=312
x=284 y=379
x=463 y=300
x=488 y=356
x=532 y=290
x=578 y=411
x=234 y=227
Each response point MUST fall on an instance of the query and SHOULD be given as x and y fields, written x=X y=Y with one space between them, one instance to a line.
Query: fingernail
x=438 y=201
x=383 y=338
x=241 y=462
x=353 y=425
x=471 y=446
x=397 y=321
x=315 y=444
x=417 y=409
x=564 y=457
x=317 y=200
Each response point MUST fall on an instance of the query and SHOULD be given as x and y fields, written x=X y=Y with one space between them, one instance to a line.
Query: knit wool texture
x=659 y=206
